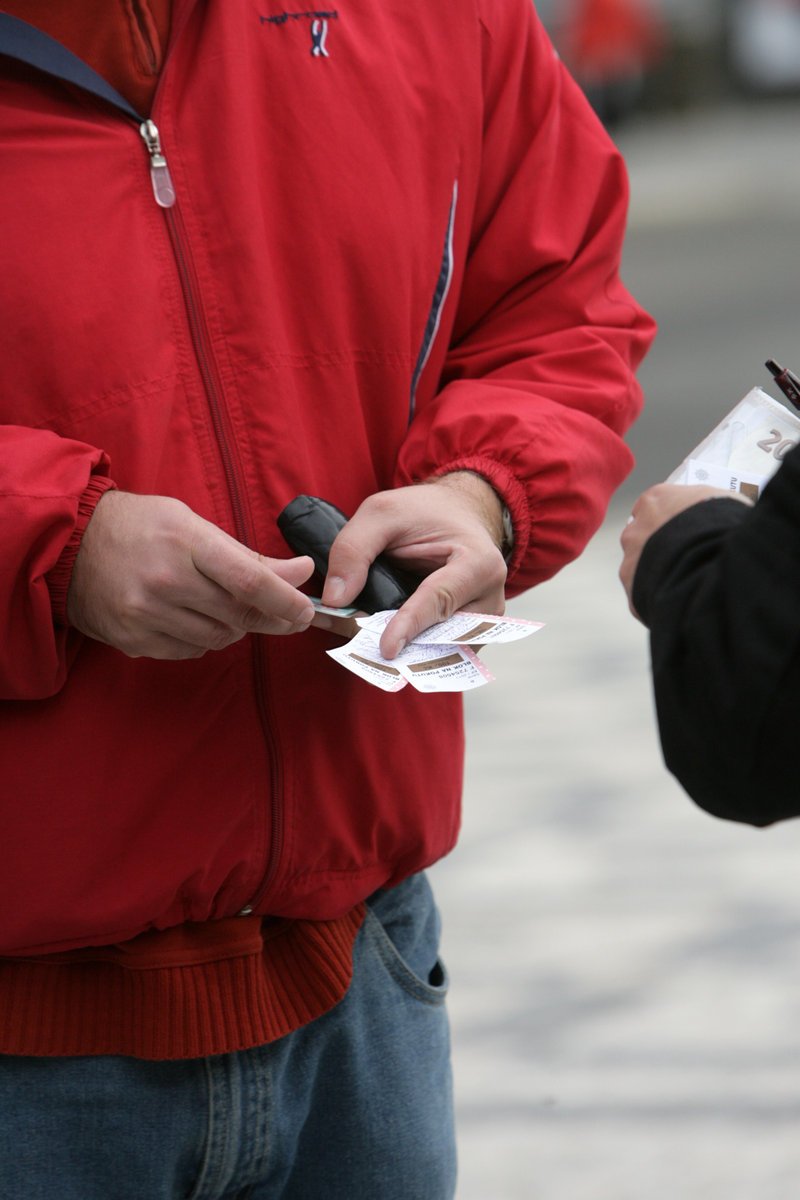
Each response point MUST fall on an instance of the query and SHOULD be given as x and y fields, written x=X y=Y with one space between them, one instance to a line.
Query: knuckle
x=130 y=640
x=252 y=620
x=133 y=651
x=497 y=572
x=377 y=503
x=175 y=651
x=221 y=637
x=135 y=618
x=344 y=548
x=159 y=579
x=134 y=647
x=245 y=580
x=284 y=626
x=163 y=580
x=446 y=603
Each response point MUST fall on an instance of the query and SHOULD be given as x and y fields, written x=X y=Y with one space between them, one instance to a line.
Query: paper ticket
x=427 y=668
x=438 y=660
x=462 y=629
x=362 y=657
x=745 y=449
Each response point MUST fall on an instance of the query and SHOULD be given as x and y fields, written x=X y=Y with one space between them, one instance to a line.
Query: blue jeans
x=356 y=1105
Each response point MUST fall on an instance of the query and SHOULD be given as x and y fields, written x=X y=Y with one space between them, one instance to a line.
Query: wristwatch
x=507 y=546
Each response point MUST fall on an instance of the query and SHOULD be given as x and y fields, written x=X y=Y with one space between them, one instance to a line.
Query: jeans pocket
x=403 y=927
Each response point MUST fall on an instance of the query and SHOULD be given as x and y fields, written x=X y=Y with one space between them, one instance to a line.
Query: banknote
x=745 y=449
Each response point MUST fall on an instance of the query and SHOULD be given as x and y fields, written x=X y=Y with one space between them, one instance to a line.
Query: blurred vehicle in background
x=630 y=53
x=763 y=44
x=610 y=46
x=656 y=54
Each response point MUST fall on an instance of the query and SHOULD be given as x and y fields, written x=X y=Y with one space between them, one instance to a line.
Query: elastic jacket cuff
x=59 y=577
x=511 y=493
x=707 y=521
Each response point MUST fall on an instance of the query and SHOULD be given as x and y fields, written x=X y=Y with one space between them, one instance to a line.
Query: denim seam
x=203 y=1177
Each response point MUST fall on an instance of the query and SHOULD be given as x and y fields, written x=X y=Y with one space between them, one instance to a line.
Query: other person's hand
x=653 y=509
x=155 y=580
x=448 y=530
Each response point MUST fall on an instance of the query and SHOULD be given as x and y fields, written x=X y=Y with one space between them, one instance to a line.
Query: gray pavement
x=711 y=251
x=625 y=968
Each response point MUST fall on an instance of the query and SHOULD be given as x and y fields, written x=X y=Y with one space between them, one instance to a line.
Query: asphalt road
x=626 y=969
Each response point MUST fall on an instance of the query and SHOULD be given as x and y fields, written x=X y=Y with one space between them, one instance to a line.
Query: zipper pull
x=163 y=189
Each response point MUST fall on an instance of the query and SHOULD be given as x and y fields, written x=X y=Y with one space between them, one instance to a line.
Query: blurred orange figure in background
x=609 y=45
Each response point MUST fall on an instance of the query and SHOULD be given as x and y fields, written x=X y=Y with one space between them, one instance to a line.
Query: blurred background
x=652 y=54
x=626 y=969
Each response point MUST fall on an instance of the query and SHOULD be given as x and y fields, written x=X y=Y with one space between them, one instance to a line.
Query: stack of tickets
x=440 y=659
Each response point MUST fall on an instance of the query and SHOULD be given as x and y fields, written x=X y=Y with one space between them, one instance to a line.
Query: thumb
x=292 y=570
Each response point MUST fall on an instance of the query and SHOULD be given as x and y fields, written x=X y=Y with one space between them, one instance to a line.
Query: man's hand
x=157 y=581
x=653 y=509
x=449 y=530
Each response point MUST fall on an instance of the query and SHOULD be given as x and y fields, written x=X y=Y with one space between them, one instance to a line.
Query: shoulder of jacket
x=494 y=15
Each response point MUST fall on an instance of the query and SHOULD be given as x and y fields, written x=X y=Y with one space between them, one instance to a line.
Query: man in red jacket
x=368 y=253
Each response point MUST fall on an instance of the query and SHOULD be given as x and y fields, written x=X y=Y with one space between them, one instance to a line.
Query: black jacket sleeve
x=719 y=588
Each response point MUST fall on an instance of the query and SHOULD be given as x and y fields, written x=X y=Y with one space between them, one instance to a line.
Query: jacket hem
x=179 y=1011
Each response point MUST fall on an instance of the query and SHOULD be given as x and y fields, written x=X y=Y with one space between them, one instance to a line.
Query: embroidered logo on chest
x=315 y=21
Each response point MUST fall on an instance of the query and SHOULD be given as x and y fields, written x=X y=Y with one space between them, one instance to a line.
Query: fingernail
x=334 y=590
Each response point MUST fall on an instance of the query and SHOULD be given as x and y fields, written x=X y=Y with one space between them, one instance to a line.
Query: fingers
x=164 y=648
x=632 y=539
x=256 y=594
x=374 y=527
x=656 y=506
x=627 y=571
x=294 y=571
x=467 y=581
x=437 y=531
x=416 y=525
x=154 y=579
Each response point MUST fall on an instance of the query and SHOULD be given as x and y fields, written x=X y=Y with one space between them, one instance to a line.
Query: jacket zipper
x=30 y=51
x=164 y=193
x=160 y=177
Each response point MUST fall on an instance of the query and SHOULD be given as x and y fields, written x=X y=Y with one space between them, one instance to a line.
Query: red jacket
x=393 y=253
